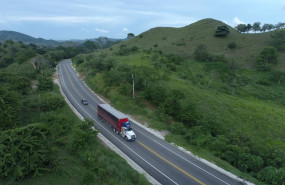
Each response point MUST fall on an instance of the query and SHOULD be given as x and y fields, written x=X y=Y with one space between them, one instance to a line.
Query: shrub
x=51 y=101
x=201 y=53
x=25 y=151
x=267 y=57
x=222 y=31
x=232 y=45
x=45 y=84
x=178 y=128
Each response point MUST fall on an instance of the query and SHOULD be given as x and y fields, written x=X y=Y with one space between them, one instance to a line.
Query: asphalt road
x=159 y=159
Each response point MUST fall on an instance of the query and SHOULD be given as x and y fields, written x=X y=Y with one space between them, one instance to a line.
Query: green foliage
x=124 y=50
x=278 y=37
x=89 y=46
x=25 y=151
x=222 y=31
x=83 y=137
x=232 y=45
x=201 y=53
x=271 y=175
x=51 y=101
x=241 y=28
x=45 y=84
x=268 y=56
x=130 y=35
x=10 y=108
x=256 y=26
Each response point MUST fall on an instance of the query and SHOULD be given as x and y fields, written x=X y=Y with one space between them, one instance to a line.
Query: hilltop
x=183 y=42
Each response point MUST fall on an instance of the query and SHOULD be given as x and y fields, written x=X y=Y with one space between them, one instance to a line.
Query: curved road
x=159 y=159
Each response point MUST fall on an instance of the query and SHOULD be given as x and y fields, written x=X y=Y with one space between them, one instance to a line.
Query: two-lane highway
x=159 y=159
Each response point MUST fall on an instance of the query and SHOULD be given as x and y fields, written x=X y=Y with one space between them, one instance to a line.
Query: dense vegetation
x=41 y=140
x=207 y=101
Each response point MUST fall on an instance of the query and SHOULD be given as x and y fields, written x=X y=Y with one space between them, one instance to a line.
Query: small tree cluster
x=242 y=28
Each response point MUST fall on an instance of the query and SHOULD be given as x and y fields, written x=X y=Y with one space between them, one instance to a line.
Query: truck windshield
x=127 y=125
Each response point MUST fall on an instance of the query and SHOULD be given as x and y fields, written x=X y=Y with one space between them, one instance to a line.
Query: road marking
x=76 y=89
x=184 y=158
x=82 y=86
x=115 y=137
x=172 y=164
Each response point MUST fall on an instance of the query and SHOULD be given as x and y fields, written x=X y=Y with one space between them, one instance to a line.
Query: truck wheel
x=126 y=138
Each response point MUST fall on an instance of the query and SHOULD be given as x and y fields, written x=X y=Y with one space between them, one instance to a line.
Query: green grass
x=183 y=42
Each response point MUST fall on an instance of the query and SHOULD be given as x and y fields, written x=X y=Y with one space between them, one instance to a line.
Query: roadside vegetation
x=41 y=139
x=228 y=109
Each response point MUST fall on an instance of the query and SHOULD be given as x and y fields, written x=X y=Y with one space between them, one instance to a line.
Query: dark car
x=84 y=102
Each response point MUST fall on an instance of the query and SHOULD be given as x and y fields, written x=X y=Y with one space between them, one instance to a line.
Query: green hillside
x=224 y=110
x=183 y=42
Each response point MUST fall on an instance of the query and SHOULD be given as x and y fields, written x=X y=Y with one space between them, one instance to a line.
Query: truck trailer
x=117 y=120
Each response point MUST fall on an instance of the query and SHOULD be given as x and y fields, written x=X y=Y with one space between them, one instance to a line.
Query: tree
x=266 y=27
x=270 y=27
x=241 y=28
x=256 y=26
x=222 y=31
x=280 y=25
x=201 y=53
x=130 y=35
x=248 y=27
x=278 y=37
x=267 y=57
x=89 y=46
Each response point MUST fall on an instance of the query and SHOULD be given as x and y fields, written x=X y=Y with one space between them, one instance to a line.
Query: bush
x=267 y=57
x=222 y=31
x=201 y=53
x=178 y=128
x=273 y=176
x=25 y=151
x=45 y=84
x=51 y=101
x=232 y=45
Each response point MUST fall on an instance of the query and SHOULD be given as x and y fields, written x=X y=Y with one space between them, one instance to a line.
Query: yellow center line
x=167 y=161
x=77 y=90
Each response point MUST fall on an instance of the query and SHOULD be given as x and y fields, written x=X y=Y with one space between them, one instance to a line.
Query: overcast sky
x=83 y=19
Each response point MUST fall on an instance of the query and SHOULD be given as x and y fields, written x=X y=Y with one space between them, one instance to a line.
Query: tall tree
x=265 y=27
x=280 y=25
x=130 y=35
x=241 y=28
x=248 y=27
x=256 y=26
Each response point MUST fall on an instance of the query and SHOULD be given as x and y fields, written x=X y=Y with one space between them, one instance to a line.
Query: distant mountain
x=16 y=36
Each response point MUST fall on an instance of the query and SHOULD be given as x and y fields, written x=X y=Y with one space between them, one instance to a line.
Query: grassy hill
x=229 y=113
x=183 y=42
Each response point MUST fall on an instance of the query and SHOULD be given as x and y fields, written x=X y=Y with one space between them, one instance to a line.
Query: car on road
x=84 y=102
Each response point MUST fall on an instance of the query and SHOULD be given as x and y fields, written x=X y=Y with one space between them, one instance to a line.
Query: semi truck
x=117 y=120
